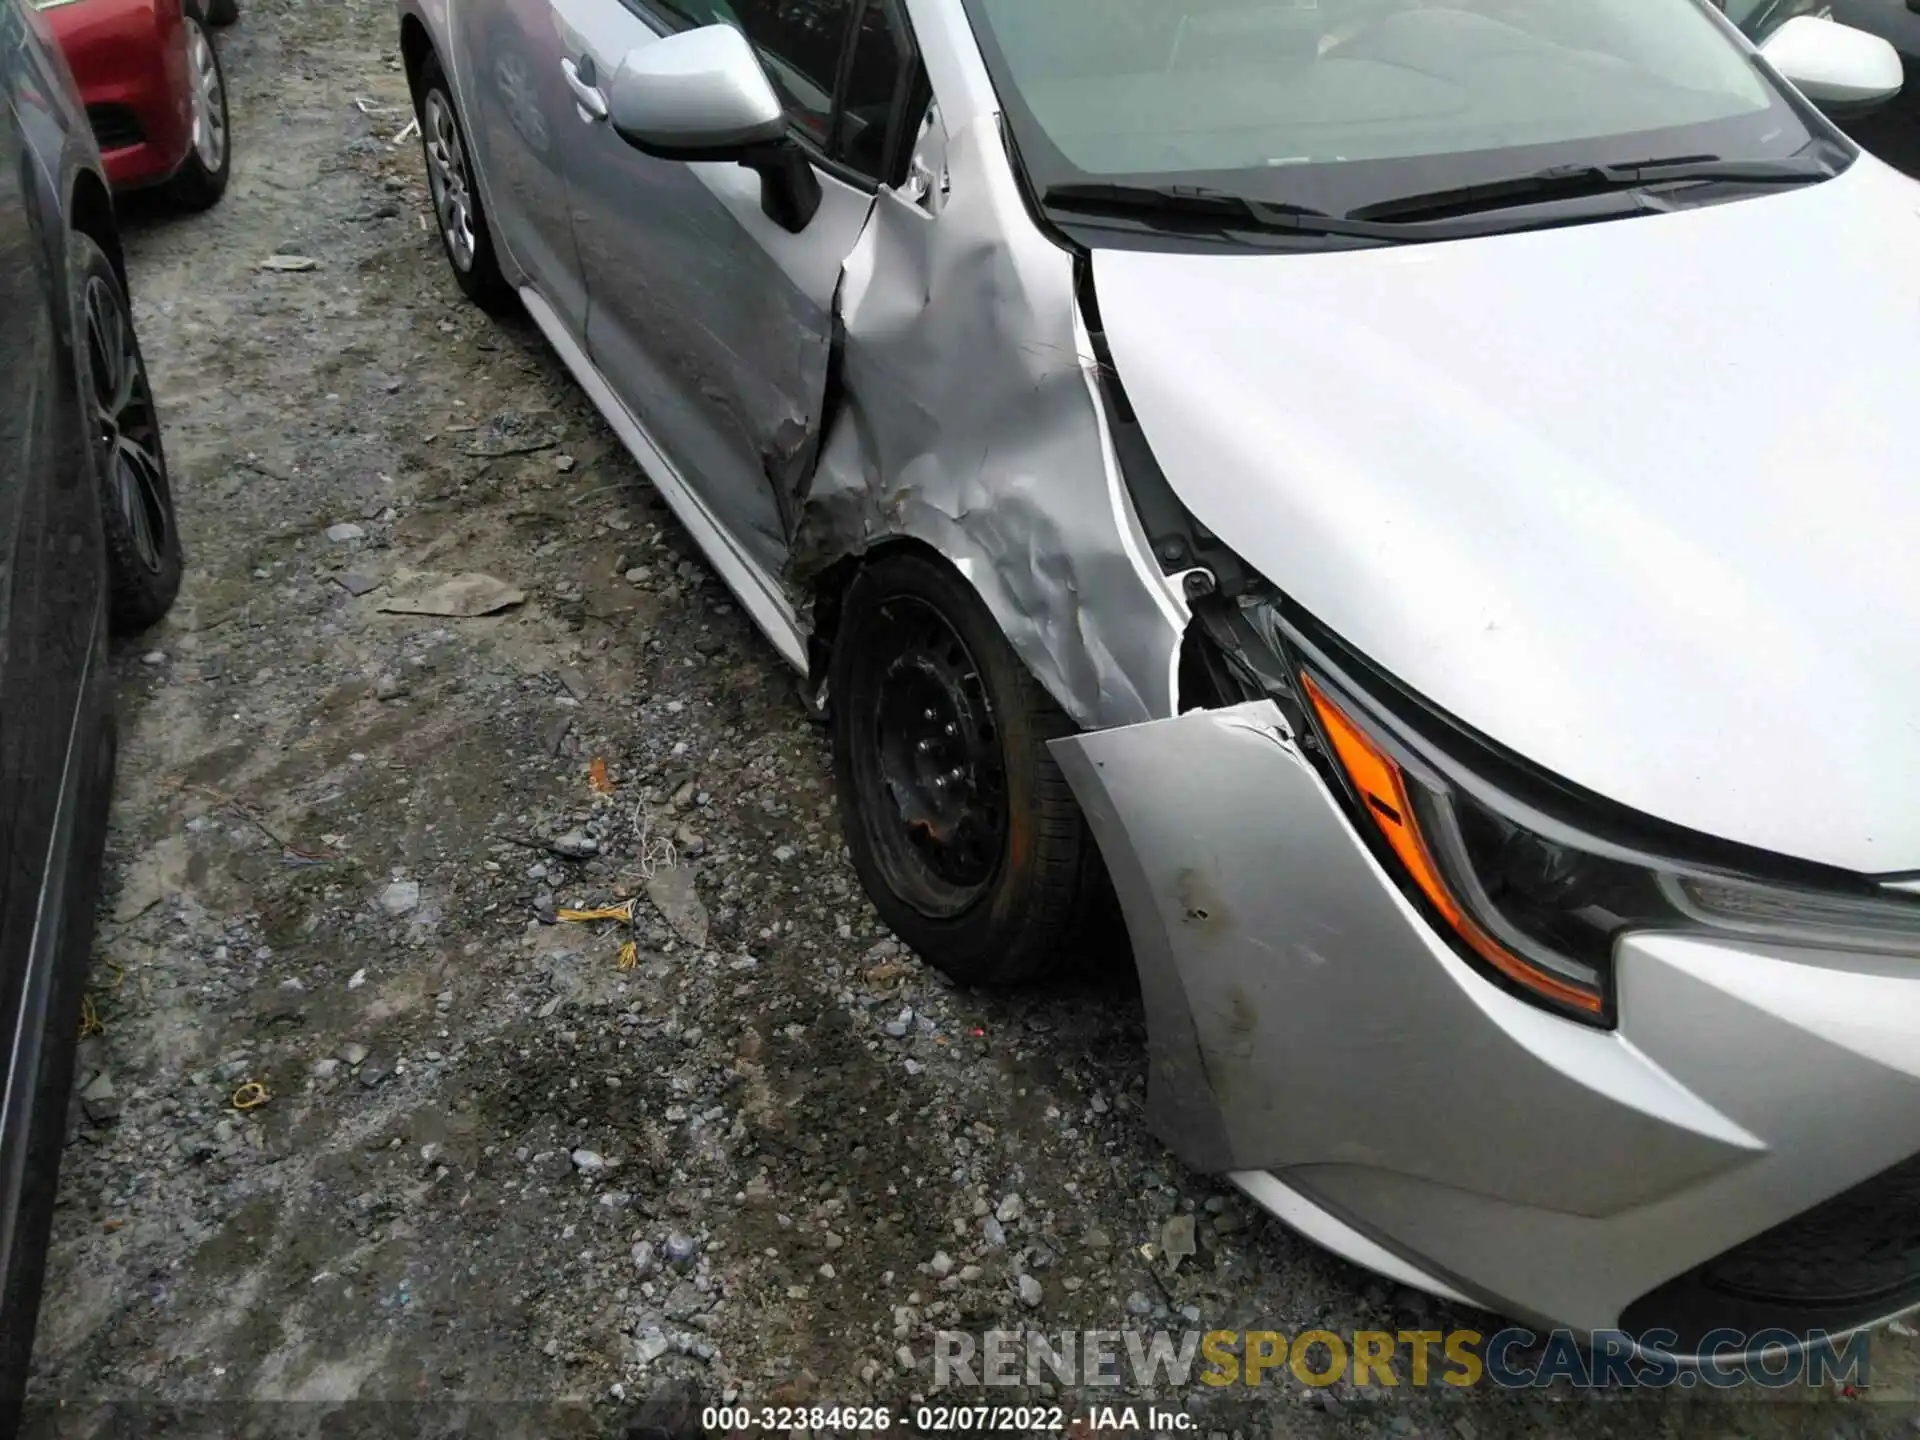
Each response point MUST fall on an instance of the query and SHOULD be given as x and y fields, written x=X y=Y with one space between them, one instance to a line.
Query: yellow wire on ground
x=609 y=912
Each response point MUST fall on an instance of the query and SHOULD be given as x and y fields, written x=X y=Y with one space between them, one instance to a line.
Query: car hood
x=1638 y=499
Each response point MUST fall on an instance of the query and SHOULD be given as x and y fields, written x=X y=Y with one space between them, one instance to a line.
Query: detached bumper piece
x=1847 y=1262
x=1306 y=1023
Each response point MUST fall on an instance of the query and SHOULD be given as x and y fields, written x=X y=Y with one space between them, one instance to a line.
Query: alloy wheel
x=448 y=177
x=125 y=424
x=208 y=98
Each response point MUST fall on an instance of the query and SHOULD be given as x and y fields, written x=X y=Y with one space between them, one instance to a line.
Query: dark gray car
x=87 y=542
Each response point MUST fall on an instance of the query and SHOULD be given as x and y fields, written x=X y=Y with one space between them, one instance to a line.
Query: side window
x=800 y=43
x=878 y=75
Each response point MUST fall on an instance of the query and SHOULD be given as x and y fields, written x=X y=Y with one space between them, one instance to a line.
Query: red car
x=154 y=90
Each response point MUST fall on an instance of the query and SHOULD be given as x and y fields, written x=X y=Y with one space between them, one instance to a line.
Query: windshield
x=1340 y=103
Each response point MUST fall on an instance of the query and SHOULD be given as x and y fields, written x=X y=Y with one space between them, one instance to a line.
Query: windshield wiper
x=1567 y=182
x=1194 y=202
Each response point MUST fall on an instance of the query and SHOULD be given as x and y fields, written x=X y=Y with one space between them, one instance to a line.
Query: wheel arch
x=987 y=439
x=1045 y=900
x=90 y=212
x=422 y=43
x=416 y=46
x=827 y=593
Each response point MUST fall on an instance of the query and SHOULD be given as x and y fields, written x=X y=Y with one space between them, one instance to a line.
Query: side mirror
x=1842 y=70
x=701 y=95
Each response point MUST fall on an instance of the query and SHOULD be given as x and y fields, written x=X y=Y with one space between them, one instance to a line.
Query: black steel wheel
x=932 y=748
x=129 y=460
x=959 y=823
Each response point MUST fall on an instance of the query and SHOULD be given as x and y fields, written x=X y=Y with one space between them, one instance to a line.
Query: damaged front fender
x=967 y=416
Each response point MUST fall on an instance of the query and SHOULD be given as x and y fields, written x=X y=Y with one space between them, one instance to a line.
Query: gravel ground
x=500 y=1173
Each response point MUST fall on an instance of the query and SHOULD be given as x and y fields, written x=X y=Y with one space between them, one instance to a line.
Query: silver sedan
x=1408 y=505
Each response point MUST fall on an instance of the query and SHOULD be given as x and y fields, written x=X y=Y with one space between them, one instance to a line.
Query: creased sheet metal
x=968 y=418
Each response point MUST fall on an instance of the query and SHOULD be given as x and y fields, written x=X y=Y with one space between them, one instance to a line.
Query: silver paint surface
x=712 y=327
x=704 y=85
x=1265 y=938
x=1693 y=600
x=513 y=101
x=758 y=590
x=1631 y=498
x=1303 y=1020
x=710 y=321
x=970 y=420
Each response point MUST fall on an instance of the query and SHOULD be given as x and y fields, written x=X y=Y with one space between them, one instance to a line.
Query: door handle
x=592 y=103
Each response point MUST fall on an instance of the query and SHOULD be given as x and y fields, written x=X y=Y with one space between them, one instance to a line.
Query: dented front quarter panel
x=967 y=416
x=1301 y=1013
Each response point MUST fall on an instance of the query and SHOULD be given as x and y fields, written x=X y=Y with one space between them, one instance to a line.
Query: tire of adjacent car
x=221 y=12
x=481 y=279
x=198 y=185
x=1047 y=897
x=139 y=592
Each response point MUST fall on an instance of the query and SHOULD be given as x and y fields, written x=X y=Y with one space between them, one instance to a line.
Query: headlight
x=1537 y=904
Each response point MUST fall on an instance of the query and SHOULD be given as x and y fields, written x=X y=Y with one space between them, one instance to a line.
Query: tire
x=973 y=850
x=459 y=213
x=129 y=462
x=222 y=12
x=202 y=177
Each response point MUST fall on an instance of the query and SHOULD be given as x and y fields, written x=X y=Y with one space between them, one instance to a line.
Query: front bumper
x=129 y=58
x=1306 y=1022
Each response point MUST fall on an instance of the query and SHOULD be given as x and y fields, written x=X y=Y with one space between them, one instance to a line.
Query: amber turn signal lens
x=1383 y=791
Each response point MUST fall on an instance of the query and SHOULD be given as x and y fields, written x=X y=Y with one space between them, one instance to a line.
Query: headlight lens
x=1880 y=923
x=1419 y=819
x=1538 y=907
